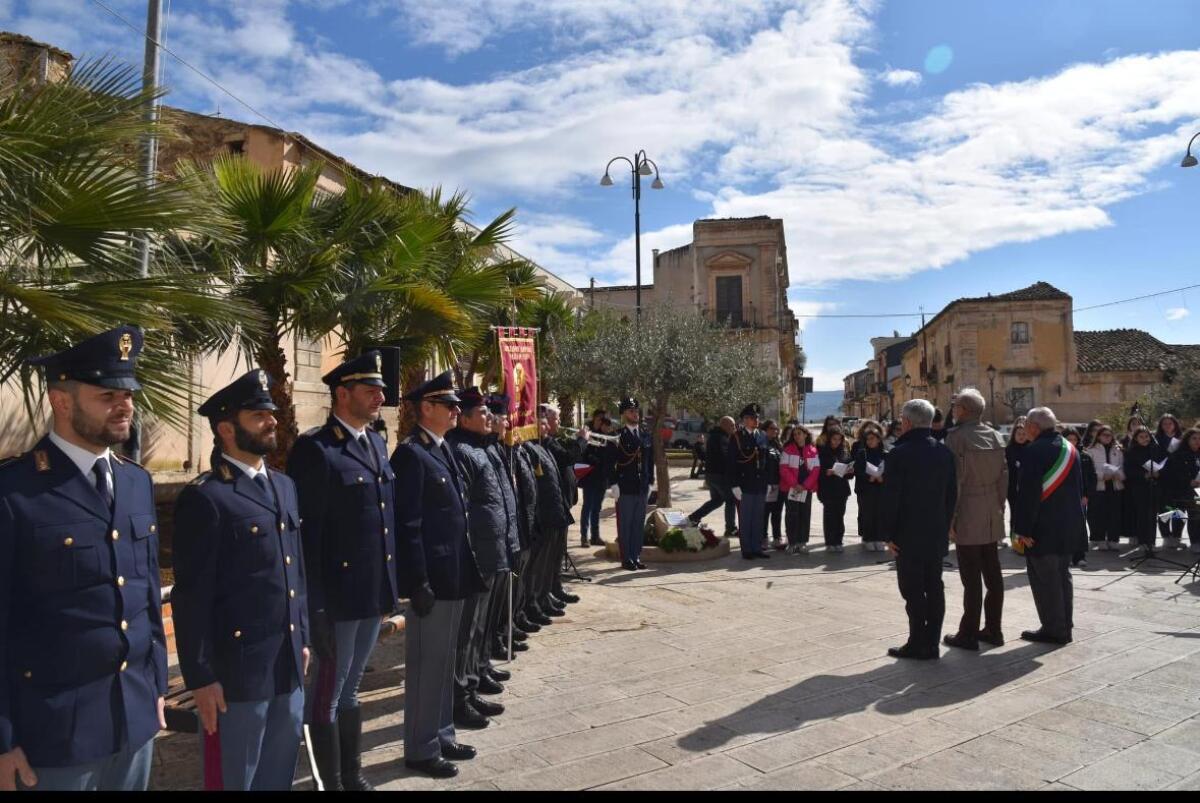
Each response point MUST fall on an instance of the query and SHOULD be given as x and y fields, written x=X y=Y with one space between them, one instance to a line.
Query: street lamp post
x=991 y=375
x=640 y=166
x=1188 y=159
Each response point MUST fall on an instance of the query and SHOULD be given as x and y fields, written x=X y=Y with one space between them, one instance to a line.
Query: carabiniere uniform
x=347 y=496
x=81 y=632
x=748 y=472
x=240 y=607
x=633 y=482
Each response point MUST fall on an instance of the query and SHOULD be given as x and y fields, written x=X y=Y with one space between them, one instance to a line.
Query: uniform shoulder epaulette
x=200 y=479
x=123 y=459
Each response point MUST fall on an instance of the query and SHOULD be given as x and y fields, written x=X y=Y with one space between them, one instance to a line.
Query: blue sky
x=916 y=151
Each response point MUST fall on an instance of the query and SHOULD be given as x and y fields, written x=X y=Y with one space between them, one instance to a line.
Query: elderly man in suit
x=437 y=572
x=978 y=524
x=917 y=506
x=1046 y=518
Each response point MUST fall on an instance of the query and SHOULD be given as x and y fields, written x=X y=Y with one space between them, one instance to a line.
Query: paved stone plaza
x=773 y=675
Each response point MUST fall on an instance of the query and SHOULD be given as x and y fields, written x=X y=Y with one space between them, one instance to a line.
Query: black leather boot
x=327 y=752
x=349 y=723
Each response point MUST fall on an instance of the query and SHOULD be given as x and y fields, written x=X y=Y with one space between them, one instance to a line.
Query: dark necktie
x=365 y=443
x=102 y=472
x=260 y=480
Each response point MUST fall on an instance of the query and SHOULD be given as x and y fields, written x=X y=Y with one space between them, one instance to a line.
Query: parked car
x=686 y=432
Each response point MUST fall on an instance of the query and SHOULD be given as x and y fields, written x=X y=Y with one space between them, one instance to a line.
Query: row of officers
x=273 y=571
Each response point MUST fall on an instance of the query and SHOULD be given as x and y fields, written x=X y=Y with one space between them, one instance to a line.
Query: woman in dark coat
x=1017 y=442
x=774 y=510
x=600 y=458
x=1127 y=524
x=868 y=489
x=832 y=490
x=1166 y=443
x=1178 y=484
x=1087 y=468
x=1140 y=488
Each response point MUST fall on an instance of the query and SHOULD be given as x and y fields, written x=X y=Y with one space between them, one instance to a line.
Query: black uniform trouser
x=1050 y=582
x=920 y=581
x=521 y=590
x=558 y=550
x=497 y=617
x=471 y=626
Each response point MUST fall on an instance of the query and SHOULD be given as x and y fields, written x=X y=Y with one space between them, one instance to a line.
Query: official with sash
x=748 y=479
x=81 y=633
x=347 y=501
x=633 y=482
x=437 y=571
x=239 y=602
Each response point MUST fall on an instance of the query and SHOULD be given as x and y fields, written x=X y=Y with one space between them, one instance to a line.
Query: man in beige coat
x=978 y=524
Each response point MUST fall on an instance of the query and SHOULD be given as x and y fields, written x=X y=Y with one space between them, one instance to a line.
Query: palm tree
x=72 y=204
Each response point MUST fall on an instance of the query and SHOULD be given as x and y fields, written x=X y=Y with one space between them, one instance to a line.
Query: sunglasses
x=450 y=404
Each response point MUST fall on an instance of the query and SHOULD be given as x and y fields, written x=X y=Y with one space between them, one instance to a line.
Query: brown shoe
x=993 y=637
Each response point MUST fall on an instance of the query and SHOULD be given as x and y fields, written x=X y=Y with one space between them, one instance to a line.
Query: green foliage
x=673 y=541
x=1180 y=396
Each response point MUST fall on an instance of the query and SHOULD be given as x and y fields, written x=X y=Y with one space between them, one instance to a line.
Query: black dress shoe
x=496 y=673
x=535 y=615
x=583 y=542
x=458 y=752
x=488 y=686
x=915 y=653
x=639 y=564
x=551 y=600
x=487 y=707
x=596 y=541
x=522 y=623
x=629 y=565
x=465 y=716
x=519 y=646
x=763 y=555
x=1041 y=637
x=567 y=596
x=993 y=637
x=553 y=612
x=436 y=767
x=519 y=634
x=962 y=642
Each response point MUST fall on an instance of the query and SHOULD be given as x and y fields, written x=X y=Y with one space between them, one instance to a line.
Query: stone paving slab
x=736 y=674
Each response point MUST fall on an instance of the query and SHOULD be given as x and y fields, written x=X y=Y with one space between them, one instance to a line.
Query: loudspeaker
x=391 y=374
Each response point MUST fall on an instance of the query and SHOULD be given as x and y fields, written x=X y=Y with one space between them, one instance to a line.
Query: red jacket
x=794 y=468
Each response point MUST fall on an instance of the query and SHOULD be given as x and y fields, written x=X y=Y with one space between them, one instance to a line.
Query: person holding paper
x=1088 y=469
x=1104 y=500
x=868 y=484
x=799 y=472
x=1167 y=442
x=1140 y=489
x=774 y=507
x=981 y=469
x=833 y=489
x=748 y=478
x=1179 y=481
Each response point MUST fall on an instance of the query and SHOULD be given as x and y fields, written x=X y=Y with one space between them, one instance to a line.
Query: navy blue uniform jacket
x=629 y=462
x=746 y=461
x=1054 y=522
x=920 y=490
x=82 y=649
x=431 y=522
x=239 y=603
x=348 y=508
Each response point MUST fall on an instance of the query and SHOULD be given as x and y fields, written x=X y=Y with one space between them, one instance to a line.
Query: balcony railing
x=746 y=316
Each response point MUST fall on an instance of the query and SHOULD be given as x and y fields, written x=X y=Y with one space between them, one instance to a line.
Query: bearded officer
x=239 y=602
x=437 y=571
x=347 y=497
x=748 y=479
x=633 y=482
x=81 y=633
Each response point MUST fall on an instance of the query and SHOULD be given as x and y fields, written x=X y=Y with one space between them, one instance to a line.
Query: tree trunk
x=566 y=410
x=273 y=359
x=406 y=416
x=661 y=470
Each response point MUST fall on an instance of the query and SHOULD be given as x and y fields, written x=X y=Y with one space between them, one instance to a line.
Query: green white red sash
x=1062 y=466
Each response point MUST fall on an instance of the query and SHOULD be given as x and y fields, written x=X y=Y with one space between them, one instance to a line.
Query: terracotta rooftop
x=1039 y=291
x=1130 y=350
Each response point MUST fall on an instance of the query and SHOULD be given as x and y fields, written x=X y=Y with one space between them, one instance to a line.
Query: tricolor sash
x=1062 y=466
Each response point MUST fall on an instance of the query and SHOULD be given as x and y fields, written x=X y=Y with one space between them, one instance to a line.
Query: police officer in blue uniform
x=748 y=479
x=437 y=571
x=633 y=482
x=239 y=601
x=82 y=648
x=347 y=496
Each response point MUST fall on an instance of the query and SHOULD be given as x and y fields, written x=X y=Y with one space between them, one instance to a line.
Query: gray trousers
x=126 y=771
x=429 y=679
x=1050 y=582
x=631 y=525
x=752 y=522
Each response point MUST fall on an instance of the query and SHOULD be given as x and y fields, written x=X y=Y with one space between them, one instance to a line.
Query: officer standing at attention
x=82 y=648
x=239 y=603
x=347 y=496
x=437 y=571
x=488 y=527
x=501 y=457
x=748 y=478
x=633 y=481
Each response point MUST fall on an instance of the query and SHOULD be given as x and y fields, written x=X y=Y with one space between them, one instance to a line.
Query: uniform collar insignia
x=425 y=439
x=226 y=472
x=338 y=433
x=41 y=460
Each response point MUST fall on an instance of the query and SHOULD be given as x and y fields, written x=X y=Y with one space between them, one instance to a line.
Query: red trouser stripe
x=214 y=780
x=323 y=693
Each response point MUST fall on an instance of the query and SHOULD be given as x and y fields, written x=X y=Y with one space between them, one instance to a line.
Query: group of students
x=1138 y=486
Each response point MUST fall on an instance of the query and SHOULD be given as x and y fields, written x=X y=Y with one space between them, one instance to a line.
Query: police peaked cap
x=250 y=391
x=440 y=388
x=366 y=368
x=107 y=360
x=628 y=404
x=497 y=403
x=470 y=398
x=752 y=409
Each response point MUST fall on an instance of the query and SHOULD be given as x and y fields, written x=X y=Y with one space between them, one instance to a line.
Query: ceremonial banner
x=518 y=368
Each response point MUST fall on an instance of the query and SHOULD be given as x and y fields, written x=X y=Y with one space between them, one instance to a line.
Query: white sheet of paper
x=798 y=494
x=874 y=470
x=1159 y=466
x=840 y=469
x=1148 y=465
x=1173 y=445
x=1109 y=470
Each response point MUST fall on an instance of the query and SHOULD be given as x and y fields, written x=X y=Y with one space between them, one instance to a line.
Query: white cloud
x=901 y=78
x=1178 y=313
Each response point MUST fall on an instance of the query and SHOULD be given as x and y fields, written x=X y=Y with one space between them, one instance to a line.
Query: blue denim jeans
x=589 y=519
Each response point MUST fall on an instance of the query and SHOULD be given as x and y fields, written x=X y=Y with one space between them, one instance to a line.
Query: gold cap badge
x=125 y=344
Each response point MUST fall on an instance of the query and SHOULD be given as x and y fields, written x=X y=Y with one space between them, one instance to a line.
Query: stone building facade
x=735 y=271
x=1027 y=337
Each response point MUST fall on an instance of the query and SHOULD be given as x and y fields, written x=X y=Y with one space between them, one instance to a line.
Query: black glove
x=423 y=599
x=321 y=630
